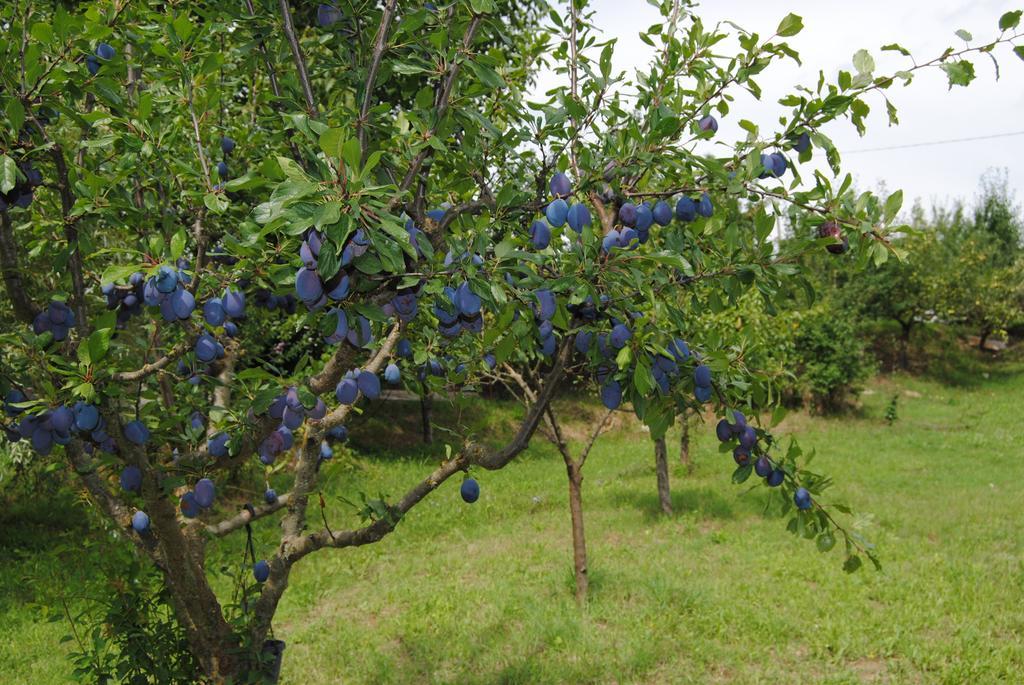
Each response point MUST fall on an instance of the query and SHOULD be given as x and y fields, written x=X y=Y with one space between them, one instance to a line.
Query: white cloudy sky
x=929 y=112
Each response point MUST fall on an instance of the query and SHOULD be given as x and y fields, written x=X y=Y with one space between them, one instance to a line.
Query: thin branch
x=275 y=87
x=197 y=137
x=298 y=58
x=441 y=109
x=229 y=525
x=154 y=366
x=378 y=53
x=593 y=437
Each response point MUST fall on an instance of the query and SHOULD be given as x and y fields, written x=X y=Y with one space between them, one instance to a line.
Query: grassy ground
x=716 y=593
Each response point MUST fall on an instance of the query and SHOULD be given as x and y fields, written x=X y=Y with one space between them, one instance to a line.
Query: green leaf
x=1010 y=20
x=15 y=114
x=487 y=76
x=1019 y=51
x=825 y=541
x=215 y=202
x=8 y=174
x=959 y=73
x=790 y=25
x=99 y=343
x=44 y=34
x=742 y=473
x=893 y=204
x=177 y=244
x=331 y=141
x=863 y=62
x=964 y=35
x=351 y=152
x=898 y=48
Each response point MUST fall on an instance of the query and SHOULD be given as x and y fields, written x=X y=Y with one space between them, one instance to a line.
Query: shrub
x=831 y=359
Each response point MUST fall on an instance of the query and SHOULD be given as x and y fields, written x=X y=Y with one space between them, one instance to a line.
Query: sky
x=928 y=110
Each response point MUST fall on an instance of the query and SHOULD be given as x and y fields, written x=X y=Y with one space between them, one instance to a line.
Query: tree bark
x=684 y=443
x=905 y=345
x=210 y=637
x=579 y=540
x=428 y=431
x=661 y=467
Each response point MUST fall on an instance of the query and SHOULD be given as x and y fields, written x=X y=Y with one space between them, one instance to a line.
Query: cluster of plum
x=167 y=290
x=201 y=497
x=270 y=301
x=104 y=52
x=57 y=425
x=309 y=286
x=358 y=334
x=126 y=299
x=227 y=144
x=543 y=311
x=218 y=311
x=290 y=410
x=24 y=188
x=746 y=448
x=355 y=382
x=56 y=319
x=459 y=310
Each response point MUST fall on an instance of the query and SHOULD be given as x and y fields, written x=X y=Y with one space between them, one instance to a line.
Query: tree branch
x=151 y=368
x=239 y=520
x=441 y=108
x=12 y=274
x=298 y=58
x=378 y=53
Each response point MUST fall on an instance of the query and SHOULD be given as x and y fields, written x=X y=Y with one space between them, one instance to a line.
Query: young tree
x=228 y=210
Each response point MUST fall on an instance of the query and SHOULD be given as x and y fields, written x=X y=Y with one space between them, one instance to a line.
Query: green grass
x=718 y=592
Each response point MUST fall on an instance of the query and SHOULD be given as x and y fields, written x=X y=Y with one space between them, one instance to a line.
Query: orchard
x=228 y=230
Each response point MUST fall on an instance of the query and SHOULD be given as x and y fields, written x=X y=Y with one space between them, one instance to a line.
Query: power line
x=935 y=142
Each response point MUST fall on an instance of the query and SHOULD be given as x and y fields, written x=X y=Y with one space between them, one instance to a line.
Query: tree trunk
x=661 y=467
x=579 y=541
x=428 y=431
x=684 y=443
x=905 y=345
x=211 y=639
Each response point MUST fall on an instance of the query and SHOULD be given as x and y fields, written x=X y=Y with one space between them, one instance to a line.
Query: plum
x=628 y=214
x=540 y=235
x=217 y=445
x=686 y=209
x=708 y=123
x=140 y=522
x=261 y=569
x=662 y=213
x=131 y=478
x=557 y=212
x=470 y=491
x=136 y=432
x=578 y=217
x=620 y=336
x=560 y=185
x=611 y=394
x=205 y=492
x=802 y=499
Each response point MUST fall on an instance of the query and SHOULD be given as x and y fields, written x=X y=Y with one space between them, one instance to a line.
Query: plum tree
x=132 y=232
